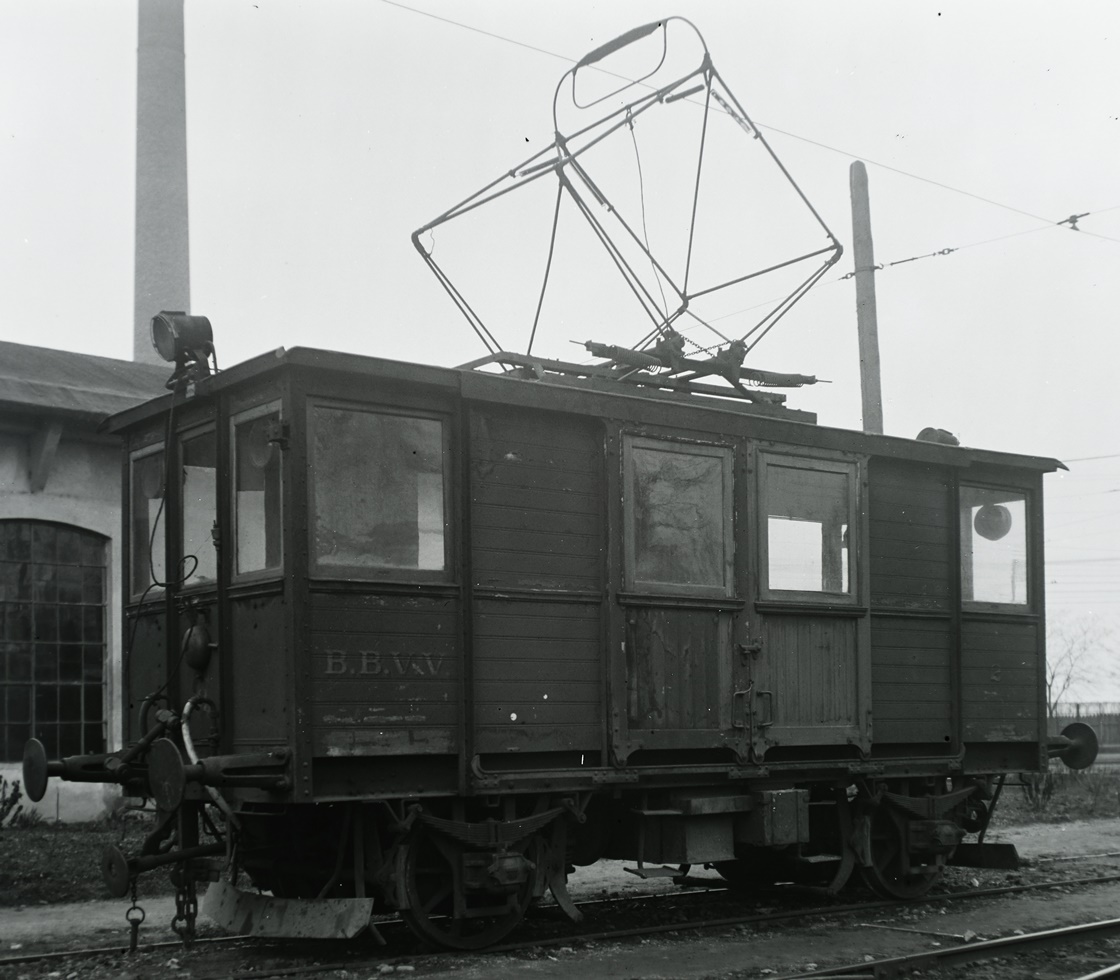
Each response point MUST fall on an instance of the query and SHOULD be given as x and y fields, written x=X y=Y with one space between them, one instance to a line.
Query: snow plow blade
x=1001 y=856
x=246 y=914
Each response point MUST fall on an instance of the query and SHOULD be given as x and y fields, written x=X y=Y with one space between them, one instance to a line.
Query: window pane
x=95 y=738
x=11 y=574
x=146 y=507
x=993 y=546
x=46 y=662
x=257 y=494
x=15 y=540
x=807 y=529
x=91 y=695
x=46 y=704
x=378 y=490
x=200 y=509
x=92 y=663
x=70 y=702
x=19 y=704
x=70 y=583
x=18 y=622
x=70 y=662
x=70 y=739
x=678 y=515
x=19 y=661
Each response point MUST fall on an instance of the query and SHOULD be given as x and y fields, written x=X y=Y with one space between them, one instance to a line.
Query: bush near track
x=42 y=863
x=1058 y=796
x=45 y=863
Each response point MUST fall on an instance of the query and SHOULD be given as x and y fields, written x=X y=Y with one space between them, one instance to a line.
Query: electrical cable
x=664 y=309
x=783 y=132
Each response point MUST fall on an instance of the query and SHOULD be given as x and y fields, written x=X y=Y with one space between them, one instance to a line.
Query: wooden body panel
x=912 y=678
x=537 y=637
x=1000 y=677
x=259 y=673
x=386 y=672
x=537 y=676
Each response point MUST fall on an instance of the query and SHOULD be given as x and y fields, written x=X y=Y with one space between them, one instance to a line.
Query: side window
x=378 y=491
x=53 y=591
x=147 y=562
x=198 y=456
x=994 y=546
x=809 y=510
x=678 y=517
x=256 y=491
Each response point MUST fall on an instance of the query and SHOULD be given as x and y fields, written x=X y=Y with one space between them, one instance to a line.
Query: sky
x=322 y=134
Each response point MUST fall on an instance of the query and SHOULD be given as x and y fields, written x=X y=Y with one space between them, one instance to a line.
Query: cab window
x=256 y=491
x=678 y=517
x=146 y=521
x=994 y=561
x=809 y=512
x=378 y=494
x=199 y=462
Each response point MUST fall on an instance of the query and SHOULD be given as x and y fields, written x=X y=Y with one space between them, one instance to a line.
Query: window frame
x=152 y=589
x=806 y=460
x=240 y=418
x=323 y=571
x=1027 y=608
x=85 y=687
x=714 y=450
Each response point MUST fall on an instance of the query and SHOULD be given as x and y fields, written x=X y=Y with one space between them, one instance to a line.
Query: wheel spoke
x=437 y=897
x=441 y=911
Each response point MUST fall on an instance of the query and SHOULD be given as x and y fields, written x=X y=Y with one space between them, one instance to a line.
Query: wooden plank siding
x=536 y=554
x=1000 y=681
x=911 y=521
x=911 y=679
x=537 y=676
x=678 y=670
x=385 y=674
x=536 y=502
x=813 y=670
x=259 y=674
x=913 y=633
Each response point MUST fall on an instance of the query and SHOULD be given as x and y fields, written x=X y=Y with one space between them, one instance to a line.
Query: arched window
x=53 y=590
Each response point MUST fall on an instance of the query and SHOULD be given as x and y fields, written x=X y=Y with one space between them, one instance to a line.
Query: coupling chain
x=186 y=905
x=134 y=916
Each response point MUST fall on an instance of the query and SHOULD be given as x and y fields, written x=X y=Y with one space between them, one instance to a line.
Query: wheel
x=443 y=911
x=892 y=874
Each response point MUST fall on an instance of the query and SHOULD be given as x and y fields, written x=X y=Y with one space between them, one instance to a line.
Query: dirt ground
x=738 y=951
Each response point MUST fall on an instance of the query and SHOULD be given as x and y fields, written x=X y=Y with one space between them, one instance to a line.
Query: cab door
x=677 y=604
x=810 y=663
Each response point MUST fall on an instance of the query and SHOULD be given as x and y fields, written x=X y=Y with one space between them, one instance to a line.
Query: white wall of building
x=83 y=490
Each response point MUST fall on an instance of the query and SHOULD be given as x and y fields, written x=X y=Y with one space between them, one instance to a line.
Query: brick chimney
x=162 y=266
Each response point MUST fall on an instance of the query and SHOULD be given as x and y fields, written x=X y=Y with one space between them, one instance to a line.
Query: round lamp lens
x=163 y=337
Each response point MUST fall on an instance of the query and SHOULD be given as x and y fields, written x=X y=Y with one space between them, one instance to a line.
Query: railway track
x=896 y=966
x=545 y=930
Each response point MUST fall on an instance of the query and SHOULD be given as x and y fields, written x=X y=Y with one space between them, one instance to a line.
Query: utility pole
x=867 y=322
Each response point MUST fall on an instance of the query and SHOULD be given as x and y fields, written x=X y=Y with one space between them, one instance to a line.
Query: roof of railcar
x=588 y=398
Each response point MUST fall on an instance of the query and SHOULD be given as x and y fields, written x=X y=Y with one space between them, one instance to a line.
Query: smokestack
x=162 y=266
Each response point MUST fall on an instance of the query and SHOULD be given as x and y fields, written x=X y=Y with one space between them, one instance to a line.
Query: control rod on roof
x=668 y=353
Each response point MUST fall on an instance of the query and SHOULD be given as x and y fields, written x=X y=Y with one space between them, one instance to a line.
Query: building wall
x=83 y=489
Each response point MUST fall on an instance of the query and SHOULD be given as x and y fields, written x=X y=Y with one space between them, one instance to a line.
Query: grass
x=44 y=863
x=1059 y=796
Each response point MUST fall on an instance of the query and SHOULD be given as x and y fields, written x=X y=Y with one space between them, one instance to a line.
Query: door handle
x=739 y=718
x=769 y=696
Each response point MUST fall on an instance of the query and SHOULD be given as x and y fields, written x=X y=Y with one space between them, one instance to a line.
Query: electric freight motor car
x=423 y=639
